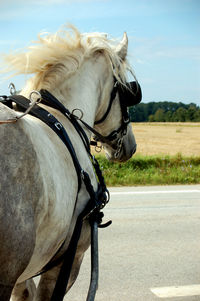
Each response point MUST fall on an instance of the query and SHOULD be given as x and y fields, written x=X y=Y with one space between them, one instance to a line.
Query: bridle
x=129 y=94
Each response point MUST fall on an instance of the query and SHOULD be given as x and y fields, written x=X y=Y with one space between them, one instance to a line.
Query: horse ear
x=121 y=49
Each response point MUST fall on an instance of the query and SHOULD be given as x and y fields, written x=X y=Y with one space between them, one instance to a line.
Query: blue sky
x=164 y=37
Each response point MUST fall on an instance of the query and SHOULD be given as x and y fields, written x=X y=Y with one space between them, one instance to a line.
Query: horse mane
x=63 y=53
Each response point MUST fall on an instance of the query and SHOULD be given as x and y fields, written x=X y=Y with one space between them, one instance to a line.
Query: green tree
x=168 y=116
x=181 y=114
x=164 y=111
x=151 y=118
x=191 y=113
x=197 y=115
x=159 y=116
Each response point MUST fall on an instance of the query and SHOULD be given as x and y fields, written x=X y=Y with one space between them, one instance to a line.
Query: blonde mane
x=63 y=53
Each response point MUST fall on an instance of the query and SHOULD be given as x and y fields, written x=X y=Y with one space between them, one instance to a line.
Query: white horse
x=38 y=186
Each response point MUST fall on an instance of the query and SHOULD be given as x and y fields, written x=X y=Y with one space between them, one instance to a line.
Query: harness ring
x=77 y=117
x=12 y=89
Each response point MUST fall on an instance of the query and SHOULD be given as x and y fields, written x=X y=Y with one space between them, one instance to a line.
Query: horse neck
x=80 y=91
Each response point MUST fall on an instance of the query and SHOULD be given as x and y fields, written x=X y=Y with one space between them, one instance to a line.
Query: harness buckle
x=98 y=147
x=126 y=119
x=82 y=174
x=58 y=125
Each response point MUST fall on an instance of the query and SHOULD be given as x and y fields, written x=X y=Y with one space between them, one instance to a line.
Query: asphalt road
x=152 y=249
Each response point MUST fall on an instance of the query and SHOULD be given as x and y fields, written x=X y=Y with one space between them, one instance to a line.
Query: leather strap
x=54 y=124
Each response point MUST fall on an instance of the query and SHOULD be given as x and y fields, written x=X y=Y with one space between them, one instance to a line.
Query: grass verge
x=152 y=170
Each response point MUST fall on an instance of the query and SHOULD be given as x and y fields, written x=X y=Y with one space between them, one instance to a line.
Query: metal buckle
x=58 y=125
x=98 y=147
x=82 y=174
x=126 y=119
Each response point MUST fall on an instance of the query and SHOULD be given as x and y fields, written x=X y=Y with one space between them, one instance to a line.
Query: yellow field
x=167 y=138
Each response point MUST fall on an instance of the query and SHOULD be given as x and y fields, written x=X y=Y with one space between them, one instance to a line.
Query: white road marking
x=177 y=291
x=153 y=192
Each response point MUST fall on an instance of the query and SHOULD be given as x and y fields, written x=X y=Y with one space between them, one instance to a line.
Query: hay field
x=167 y=138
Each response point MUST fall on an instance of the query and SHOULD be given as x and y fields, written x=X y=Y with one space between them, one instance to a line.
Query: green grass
x=152 y=170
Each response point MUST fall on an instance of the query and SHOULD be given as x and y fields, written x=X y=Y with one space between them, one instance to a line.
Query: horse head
x=112 y=121
x=87 y=72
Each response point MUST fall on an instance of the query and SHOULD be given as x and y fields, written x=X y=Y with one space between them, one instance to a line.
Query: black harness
x=128 y=96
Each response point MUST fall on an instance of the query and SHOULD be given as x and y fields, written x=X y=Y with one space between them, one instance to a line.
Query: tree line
x=165 y=112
